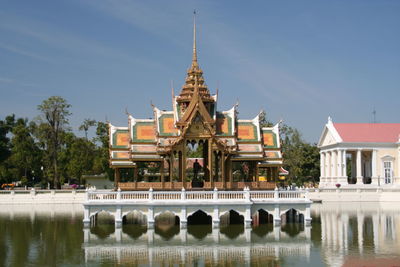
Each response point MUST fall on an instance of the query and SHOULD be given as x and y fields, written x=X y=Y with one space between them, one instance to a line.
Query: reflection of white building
x=371 y=228
x=372 y=151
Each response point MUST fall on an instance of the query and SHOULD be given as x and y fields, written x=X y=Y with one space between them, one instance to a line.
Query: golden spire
x=194 y=59
x=194 y=73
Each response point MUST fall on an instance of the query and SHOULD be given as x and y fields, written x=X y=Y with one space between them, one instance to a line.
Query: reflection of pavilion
x=368 y=226
x=183 y=248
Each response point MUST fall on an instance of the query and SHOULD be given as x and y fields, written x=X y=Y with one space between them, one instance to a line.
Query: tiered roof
x=150 y=139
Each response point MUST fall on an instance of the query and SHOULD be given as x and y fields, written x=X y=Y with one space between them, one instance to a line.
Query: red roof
x=368 y=132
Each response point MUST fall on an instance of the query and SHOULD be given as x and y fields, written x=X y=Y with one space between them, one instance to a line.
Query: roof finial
x=194 y=60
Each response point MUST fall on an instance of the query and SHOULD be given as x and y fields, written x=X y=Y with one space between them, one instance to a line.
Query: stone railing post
x=87 y=195
x=215 y=194
x=12 y=192
x=306 y=195
x=151 y=196
x=276 y=193
x=33 y=191
x=183 y=194
x=119 y=194
x=246 y=193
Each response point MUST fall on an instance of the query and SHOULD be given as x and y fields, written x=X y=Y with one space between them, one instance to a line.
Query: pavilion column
x=223 y=169
x=229 y=171
x=171 y=166
x=374 y=176
x=117 y=177
x=358 y=173
x=184 y=165
x=180 y=167
x=210 y=167
x=217 y=159
x=162 y=172
x=257 y=175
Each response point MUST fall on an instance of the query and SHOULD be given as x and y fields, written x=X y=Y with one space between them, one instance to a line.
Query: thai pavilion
x=160 y=153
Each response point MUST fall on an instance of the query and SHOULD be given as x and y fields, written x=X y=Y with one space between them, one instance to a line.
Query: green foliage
x=300 y=158
x=53 y=123
x=87 y=123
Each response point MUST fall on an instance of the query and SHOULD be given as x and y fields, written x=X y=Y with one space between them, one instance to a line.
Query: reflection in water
x=341 y=235
x=134 y=231
x=292 y=229
x=102 y=231
x=199 y=231
x=362 y=229
x=166 y=231
x=232 y=231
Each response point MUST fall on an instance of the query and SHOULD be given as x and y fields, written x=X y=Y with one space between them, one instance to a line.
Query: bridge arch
x=291 y=215
x=262 y=216
x=134 y=217
x=199 y=217
x=231 y=217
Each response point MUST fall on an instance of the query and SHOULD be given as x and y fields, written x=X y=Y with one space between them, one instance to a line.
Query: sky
x=300 y=61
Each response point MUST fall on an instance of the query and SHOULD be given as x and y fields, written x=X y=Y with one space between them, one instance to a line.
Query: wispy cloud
x=23 y=52
x=73 y=47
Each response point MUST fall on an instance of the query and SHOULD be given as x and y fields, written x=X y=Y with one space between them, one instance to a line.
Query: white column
x=328 y=167
x=396 y=178
x=344 y=166
x=374 y=163
x=358 y=173
x=333 y=165
x=322 y=166
x=339 y=165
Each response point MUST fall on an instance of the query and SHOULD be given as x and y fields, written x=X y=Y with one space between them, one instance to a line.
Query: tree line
x=300 y=158
x=45 y=151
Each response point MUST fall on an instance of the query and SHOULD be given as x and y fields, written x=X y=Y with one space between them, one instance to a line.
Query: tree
x=81 y=158
x=25 y=154
x=53 y=123
x=263 y=120
x=300 y=158
x=87 y=123
x=5 y=145
x=101 y=161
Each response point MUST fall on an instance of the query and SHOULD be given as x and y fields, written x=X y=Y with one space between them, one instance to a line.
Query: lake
x=342 y=234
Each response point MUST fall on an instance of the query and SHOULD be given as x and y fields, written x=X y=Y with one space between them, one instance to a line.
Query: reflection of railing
x=165 y=196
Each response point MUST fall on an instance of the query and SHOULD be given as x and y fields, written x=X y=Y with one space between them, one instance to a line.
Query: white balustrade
x=165 y=196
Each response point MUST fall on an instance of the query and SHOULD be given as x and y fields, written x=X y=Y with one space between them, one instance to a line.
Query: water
x=348 y=234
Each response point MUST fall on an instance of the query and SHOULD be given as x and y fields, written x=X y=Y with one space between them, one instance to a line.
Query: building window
x=388 y=171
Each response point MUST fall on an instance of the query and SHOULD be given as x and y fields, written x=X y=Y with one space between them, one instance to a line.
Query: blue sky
x=300 y=61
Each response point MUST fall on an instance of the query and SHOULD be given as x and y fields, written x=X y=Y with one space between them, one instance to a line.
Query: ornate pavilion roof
x=151 y=139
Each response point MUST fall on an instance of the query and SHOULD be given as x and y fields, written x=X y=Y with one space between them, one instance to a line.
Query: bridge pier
x=150 y=218
x=277 y=215
x=183 y=218
x=215 y=217
x=118 y=217
x=247 y=217
x=307 y=216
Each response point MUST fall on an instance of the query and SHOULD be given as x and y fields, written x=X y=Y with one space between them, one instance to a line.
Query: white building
x=360 y=154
